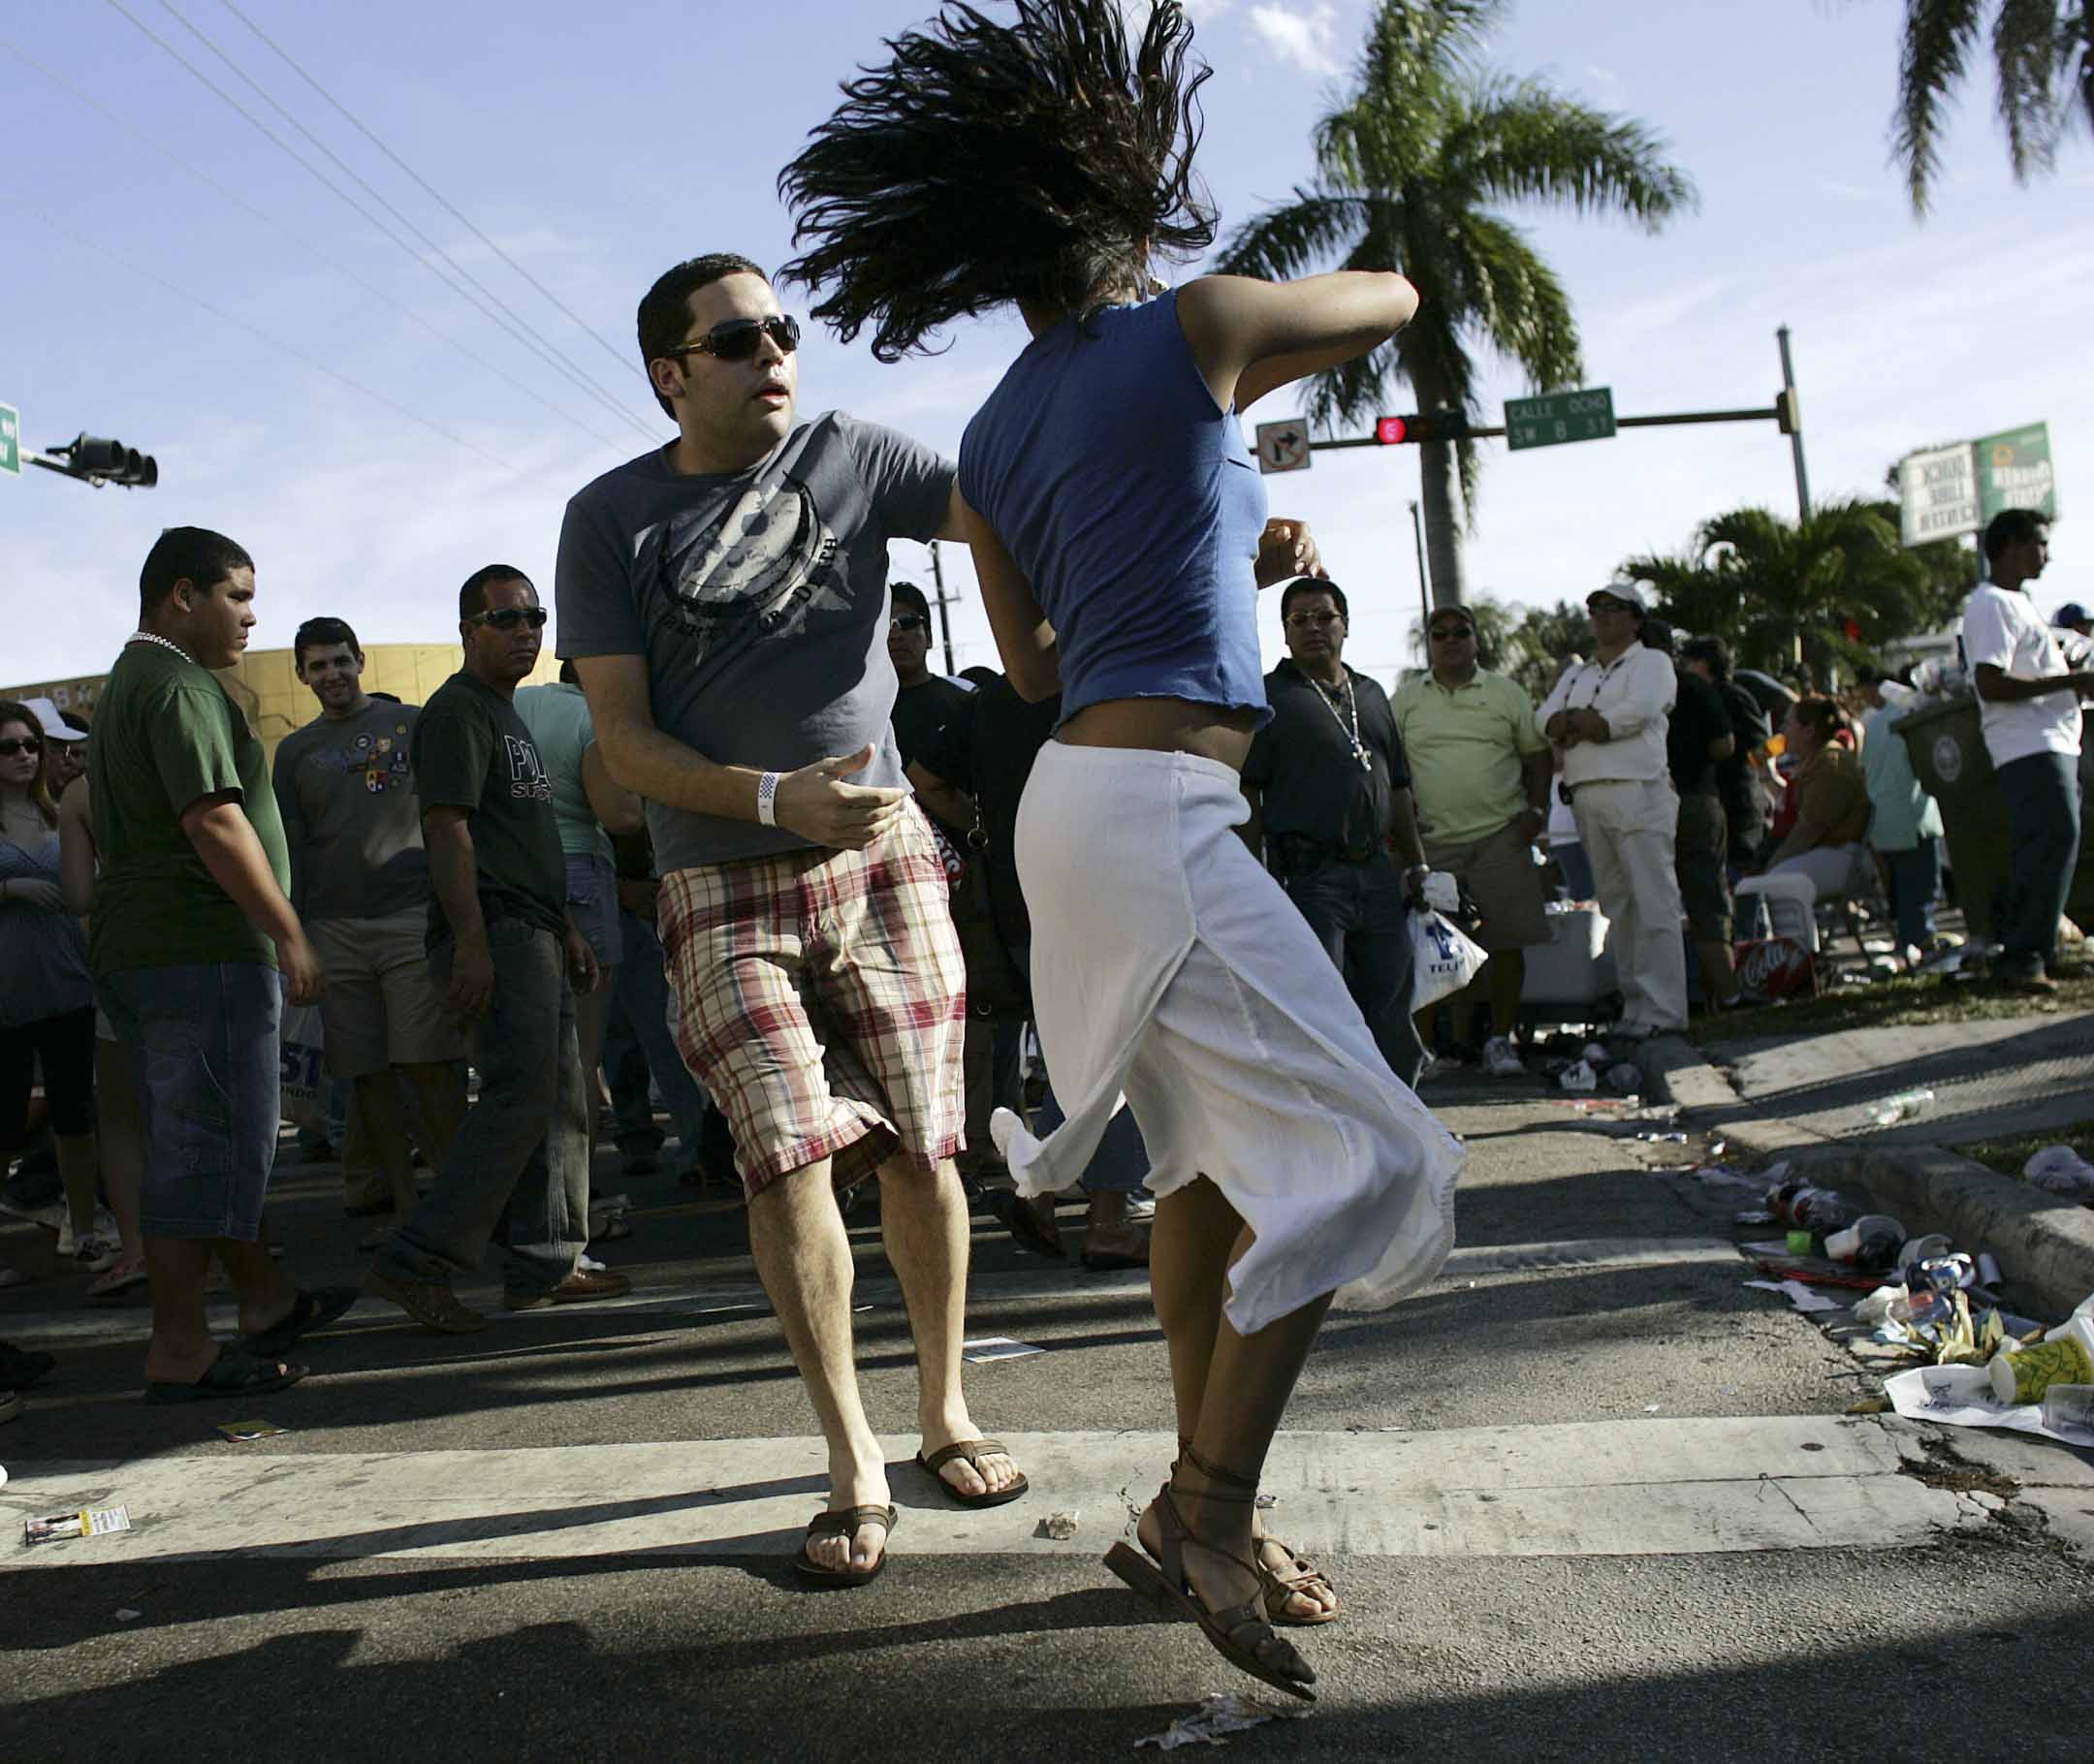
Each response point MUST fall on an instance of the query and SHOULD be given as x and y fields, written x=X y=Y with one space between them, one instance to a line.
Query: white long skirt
x=1171 y=971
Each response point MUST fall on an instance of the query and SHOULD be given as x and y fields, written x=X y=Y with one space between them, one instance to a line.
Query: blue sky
x=596 y=145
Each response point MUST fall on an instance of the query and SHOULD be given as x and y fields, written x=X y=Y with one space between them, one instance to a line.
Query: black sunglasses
x=507 y=618
x=737 y=339
x=14 y=744
x=1449 y=633
x=909 y=621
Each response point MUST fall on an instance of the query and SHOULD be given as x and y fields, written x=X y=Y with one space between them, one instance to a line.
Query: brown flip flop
x=973 y=1451
x=845 y=1521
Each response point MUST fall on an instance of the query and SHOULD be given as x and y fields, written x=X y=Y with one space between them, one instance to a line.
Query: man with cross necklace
x=1332 y=816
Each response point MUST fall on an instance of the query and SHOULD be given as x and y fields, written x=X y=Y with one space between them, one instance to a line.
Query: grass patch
x=2009 y=1155
x=1901 y=1003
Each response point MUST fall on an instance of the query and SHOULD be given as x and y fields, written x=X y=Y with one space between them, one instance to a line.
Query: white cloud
x=1308 y=36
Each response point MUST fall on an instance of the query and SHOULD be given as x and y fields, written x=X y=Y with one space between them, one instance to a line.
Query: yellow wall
x=266 y=684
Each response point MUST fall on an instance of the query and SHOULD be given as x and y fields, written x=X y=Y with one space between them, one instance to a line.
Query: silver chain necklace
x=1349 y=722
x=152 y=637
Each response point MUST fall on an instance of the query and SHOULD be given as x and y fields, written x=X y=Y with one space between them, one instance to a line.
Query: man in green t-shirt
x=191 y=926
x=511 y=959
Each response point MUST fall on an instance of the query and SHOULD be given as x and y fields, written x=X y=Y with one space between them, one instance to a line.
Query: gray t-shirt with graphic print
x=759 y=600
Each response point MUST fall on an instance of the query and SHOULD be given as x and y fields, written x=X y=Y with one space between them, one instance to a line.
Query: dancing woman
x=1045 y=163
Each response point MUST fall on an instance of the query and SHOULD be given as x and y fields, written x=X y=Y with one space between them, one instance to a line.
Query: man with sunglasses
x=511 y=959
x=1480 y=771
x=725 y=599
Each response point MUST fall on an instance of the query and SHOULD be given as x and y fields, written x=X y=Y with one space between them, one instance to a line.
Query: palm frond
x=1523 y=141
x=1931 y=64
x=1296 y=239
x=1517 y=301
x=2026 y=45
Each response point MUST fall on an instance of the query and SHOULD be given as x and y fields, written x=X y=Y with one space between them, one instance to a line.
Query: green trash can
x=1949 y=757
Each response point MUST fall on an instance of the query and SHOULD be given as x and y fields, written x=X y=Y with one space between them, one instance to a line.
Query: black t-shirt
x=1305 y=765
x=1698 y=718
x=1737 y=782
x=921 y=710
x=988 y=750
x=471 y=751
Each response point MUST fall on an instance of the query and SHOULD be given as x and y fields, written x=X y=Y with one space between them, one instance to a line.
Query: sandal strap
x=1234 y=1487
x=845 y=1521
x=972 y=1450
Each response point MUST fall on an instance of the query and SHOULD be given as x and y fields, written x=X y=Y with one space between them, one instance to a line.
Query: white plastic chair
x=1791 y=905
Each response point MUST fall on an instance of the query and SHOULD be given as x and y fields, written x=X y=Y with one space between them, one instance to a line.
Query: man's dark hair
x=323 y=633
x=472 y=596
x=568 y=677
x=1656 y=634
x=910 y=592
x=1313 y=584
x=665 y=310
x=1867 y=676
x=74 y=720
x=187 y=553
x=2012 y=526
x=1044 y=159
x=1821 y=713
x=1711 y=649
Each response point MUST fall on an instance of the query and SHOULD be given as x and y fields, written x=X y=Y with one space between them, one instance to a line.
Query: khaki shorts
x=381 y=1007
x=1503 y=881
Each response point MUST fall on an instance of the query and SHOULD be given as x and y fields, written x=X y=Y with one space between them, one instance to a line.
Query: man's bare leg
x=924 y=1226
x=1507 y=975
x=181 y=1350
x=803 y=1257
x=439 y=1088
x=384 y=1123
x=1195 y=1238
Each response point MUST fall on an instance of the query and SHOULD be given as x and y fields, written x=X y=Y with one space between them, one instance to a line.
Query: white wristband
x=767 y=798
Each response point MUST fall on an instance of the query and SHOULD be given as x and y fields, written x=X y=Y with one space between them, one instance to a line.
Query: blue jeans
x=640 y=1018
x=593 y=901
x=200 y=1039
x=1360 y=915
x=522 y=1156
x=2041 y=794
x=1914 y=880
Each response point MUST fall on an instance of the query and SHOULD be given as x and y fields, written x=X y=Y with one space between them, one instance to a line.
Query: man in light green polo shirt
x=1479 y=769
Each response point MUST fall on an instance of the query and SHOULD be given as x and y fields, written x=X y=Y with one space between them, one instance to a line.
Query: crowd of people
x=751 y=854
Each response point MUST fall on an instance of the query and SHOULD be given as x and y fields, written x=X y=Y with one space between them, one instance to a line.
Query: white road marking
x=1603 y=1487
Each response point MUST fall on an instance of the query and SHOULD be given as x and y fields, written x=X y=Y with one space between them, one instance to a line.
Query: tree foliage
x=1530 y=644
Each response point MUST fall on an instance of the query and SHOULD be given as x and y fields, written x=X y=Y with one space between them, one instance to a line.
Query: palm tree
x=1835 y=587
x=2043 y=52
x=1410 y=171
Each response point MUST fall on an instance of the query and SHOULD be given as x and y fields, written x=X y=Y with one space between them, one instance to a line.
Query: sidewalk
x=1812 y=1098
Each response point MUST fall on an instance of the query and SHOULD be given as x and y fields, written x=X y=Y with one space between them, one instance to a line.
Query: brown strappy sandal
x=1240 y=1633
x=845 y=1521
x=1302 y=1576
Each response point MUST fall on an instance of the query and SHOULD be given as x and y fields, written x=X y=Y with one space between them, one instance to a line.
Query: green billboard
x=2015 y=472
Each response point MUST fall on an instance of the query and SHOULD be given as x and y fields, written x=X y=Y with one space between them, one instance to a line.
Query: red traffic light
x=1392 y=431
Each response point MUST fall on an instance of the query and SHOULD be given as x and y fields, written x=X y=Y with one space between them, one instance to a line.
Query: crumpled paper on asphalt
x=1214 y=1720
x=1961 y=1396
x=1798 y=1295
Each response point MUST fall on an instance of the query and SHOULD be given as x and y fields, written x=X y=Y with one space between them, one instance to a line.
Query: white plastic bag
x=1443 y=958
x=303 y=1068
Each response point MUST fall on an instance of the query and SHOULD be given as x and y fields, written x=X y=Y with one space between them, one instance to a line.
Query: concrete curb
x=2044 y=1245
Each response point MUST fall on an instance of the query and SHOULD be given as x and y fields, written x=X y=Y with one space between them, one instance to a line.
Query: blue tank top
x=1130 y=502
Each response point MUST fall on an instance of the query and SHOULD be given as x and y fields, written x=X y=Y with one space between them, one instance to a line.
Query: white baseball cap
x=1634 y=592
x=53 y=725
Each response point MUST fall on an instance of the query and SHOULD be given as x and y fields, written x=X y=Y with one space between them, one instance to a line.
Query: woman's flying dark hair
x=1043 y=160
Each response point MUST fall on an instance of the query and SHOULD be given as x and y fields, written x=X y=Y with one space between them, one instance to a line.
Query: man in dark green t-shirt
x=191 y=924
x=511 y=959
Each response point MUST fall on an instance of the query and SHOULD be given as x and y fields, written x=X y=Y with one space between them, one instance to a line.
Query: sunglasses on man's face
x=14 y=744
x=1448 y=634
x=909 y=621
x=738 y=339
x=507 y=618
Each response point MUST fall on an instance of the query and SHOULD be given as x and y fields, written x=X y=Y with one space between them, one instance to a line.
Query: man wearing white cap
x=1608 y=718
x=65 y=748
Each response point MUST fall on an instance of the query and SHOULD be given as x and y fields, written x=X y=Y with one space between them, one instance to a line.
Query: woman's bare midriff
x=1163 y=725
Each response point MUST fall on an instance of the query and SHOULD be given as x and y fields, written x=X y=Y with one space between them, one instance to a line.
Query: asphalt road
x=1587 y=1497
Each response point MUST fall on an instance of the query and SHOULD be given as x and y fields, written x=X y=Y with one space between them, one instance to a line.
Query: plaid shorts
x=822 y=1000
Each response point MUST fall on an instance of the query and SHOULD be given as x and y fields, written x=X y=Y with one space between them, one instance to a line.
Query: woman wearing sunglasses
x=1044 y=166
x=46 y=997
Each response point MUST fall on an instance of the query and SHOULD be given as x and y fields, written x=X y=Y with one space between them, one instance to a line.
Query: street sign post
x=1282 y=447
x=1558 y=416
x=10 y=439
x=1938 y=495
x=2014 y=472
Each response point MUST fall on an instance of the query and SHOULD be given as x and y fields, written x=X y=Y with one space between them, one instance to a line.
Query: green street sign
x=2014 y=472
x=1557 y=417
x=10 y=439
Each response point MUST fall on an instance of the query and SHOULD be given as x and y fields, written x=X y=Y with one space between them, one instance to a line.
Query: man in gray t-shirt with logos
x=725 y=600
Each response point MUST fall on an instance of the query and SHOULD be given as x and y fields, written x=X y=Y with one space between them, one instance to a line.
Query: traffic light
x=1422 y=426
x=1788 y=410
x=99 y=462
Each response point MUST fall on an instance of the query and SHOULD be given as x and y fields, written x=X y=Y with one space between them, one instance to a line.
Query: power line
x=622 y=357
x=268 y=220
x=116 y=257
x=517 y=329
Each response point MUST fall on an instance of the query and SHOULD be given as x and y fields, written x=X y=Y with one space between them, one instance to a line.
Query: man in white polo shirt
x=1608 y=718
x=2030 y=704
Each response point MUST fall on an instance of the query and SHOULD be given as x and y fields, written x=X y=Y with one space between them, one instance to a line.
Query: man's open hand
x=817 y=804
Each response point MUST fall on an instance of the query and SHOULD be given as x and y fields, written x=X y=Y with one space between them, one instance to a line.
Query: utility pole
x=937 y=580
x=1795 y=425
x=1425 y=584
